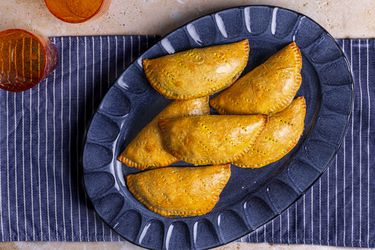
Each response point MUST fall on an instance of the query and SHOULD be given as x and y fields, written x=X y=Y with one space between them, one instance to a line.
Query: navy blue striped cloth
x=41 y=135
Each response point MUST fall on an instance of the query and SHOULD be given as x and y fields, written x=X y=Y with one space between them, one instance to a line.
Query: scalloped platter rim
x=252 y=197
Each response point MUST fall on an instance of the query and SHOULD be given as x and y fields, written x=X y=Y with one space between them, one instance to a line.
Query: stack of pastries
x=259 y=122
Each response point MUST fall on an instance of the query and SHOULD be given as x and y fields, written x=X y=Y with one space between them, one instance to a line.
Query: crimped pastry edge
x=298 y=78
x=174 y=213
x=125 y=160
x=172 y=95
x=289 y=148
x=162 y=122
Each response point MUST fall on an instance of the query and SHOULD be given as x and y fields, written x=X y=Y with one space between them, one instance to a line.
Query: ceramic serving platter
x=252 y=196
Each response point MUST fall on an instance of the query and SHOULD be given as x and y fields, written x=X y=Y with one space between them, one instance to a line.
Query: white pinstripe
x=70 y=139
x=360 y=142
x=84 y=122
x=54 y=148
x=23 y=165
x=15 y=155
x=116 y=74
x=242 y=239
x=312 y=214
x=93 y=73
x=272 y=230
x=264 y=232
x=288 y=226
x=15 y=163
x=8 y=166
x=77 y=144
x=62 y=137
x=93 y=109
x=101 y=94
x=320 y=211
x=264 y=227
x=368 y=145
x=344 y=176
x=304 y=218
x=281 y=228
x=46 y=162
x=336 y=194
x=38 y=164
x=31 y=170
x=108 y=84
x=296 y=226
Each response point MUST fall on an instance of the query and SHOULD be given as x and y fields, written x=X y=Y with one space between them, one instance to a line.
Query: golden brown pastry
x=267 y=89
x=211 y=139
x=281 y=135
x=197 y=72
x=179 y=191
x=146 y=150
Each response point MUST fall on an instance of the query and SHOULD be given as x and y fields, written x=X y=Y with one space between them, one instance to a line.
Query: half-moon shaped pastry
x=281 y=135
x=267 y=89
x=179 y=191
x=146 y=150
x=197 y=72
x=211 y=139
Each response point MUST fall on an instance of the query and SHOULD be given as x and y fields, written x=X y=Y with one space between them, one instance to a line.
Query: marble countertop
x=161 y=17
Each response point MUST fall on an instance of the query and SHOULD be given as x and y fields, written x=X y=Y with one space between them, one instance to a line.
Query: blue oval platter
x=252 y=196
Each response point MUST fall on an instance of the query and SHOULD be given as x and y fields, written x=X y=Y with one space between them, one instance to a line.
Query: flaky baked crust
x=280 y=136
x=147 y=151
x=211 y=139
x=179 y=191
x=197 y=72
x=267 y=89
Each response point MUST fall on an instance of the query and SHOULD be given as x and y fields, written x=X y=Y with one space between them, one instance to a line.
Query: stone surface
x=342 y=18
